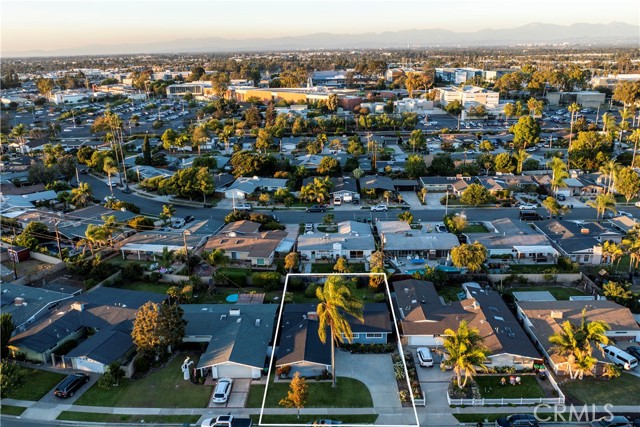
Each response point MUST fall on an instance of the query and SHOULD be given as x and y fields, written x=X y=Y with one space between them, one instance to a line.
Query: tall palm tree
x=624 y=125
x=109 y=167
x=602 y=203
x=168 y=211
x=612 y=251
x=559 y=174
x=573 y=109
x=81 y=195
x=520 y=156
x=609 y=169
x=464 y=352
x=635 y=137
x=631 y=243
x=335 y=299
x=594 y=333
x=109 y=227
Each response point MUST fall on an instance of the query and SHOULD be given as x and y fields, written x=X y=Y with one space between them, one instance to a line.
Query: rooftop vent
x=556 y=314
x=257 y=322
x=19 y=301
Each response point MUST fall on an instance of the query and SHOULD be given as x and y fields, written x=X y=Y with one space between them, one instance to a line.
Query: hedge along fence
x=538 y=277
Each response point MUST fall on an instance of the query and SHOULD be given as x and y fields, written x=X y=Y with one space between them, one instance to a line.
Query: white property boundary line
x=395 y=325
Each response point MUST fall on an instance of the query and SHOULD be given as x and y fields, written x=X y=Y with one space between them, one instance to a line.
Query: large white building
x=469 y=95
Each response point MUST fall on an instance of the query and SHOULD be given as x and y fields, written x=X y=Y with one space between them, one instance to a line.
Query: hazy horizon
x=53 y=25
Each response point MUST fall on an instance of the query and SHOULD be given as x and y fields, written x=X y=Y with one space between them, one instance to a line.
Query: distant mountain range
x=612 y=34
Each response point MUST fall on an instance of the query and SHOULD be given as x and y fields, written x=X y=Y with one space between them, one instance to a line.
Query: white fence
x=517 y=401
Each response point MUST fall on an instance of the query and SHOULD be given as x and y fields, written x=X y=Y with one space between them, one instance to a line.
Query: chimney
x=79 y=306
x=556 y=314
x=19 y=301
x=312 y=315
x=234 y=312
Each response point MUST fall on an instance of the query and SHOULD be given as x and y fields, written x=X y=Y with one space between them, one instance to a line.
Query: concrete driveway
x=237 y=397
x=376 y=372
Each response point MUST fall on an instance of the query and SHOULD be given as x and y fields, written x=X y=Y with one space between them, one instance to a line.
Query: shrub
x=310 y=292
x=141 y=364
x=141 y=223
x=154 y=277
x=379 y=297
x=10 y=377
x=132 y=271
x=269 y=280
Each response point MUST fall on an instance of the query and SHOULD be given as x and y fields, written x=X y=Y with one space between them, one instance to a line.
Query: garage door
x=234 y=371
x=88 y=365
x=424 y=340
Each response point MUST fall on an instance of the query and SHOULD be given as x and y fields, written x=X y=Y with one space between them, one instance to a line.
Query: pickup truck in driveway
x=227 y=421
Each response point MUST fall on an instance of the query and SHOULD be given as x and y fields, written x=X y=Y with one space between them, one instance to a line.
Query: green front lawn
x=536 y=269
x=558 y=292
x=349 y=393
x=160 y=288
x=490 y=388
x=36 y=383
x=619 y=391
x=12 y=410
x=125 y=418
x=477 y=228
x=164 y=388
x=449 y=293
x=292 y=419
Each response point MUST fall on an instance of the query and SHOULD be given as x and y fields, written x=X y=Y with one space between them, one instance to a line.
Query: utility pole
x=14 y=255
x=186 y=248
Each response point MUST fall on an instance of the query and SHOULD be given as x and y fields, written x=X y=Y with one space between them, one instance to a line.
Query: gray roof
x=569 y=235
x=241 y=338
x=35 y=300
x=351 y=235
x=102 y=308
x=377 y=183
x=105 y=346
x=509 y=234
x=397 y=237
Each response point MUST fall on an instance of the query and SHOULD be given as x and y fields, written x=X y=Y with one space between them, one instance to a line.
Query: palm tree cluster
x=576 y=343
x=465 y=352
x=99 y=235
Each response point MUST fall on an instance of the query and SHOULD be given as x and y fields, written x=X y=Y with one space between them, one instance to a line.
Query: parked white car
x=528 y=207
x=425 y=358
x=244 y=207
x=379 y=208
x=223 y=390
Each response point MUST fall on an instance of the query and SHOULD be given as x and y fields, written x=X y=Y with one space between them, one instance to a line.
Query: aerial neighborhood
x=389 y=236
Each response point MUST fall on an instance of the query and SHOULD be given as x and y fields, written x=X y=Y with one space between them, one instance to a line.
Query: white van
x=620 y=358
x=337 y=201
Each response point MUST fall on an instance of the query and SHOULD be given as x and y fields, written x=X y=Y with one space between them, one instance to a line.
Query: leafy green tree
x=442 y=165
x=454 y=107
x=297 y=395
x=559 y=174
x=470 y=256
x=503 y=163
x=417 y=140
x=552 y=205
x=336 y=298
x=465 y=352
x=520 y=156
x=32 y=234
x=476 y=194
x=342 y=266
x=622 y=294
x=158 y=327
x=329 y=166
x=627 y=183
x=205 y=183
x=526 y=132
x=328 y=219
x=168 y=139
x=291 y=261
x=317 y=190
x=6 y=331
x=455 y=223
x=111 y=377
x=415 y=166
x=10 y=377
x=486 y=146
x=332 y=103
x=264 y=140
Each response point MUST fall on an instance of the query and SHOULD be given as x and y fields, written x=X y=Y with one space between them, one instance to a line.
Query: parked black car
x=315 y=208
x=70 y=385
x=517 y=420
x=189 y=218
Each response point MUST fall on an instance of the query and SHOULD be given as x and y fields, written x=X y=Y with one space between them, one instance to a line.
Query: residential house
x=238 y=337
x=27 y=304
x=301 y=348
x=148 y=245
x=580 y=241
x=244 y=243
x=517 y=240
x=400 y=240
x=542 y=319
x=379 y=184
x=244 y=186
x=424 y=317
x=623 y=223
x=101 y=319
x=437 y=183
x=27 y=201
x=353 y=241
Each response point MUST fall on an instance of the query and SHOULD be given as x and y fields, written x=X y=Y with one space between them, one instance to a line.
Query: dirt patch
x=26 y=268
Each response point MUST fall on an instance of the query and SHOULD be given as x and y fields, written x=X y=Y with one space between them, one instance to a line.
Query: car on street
x=244 y=207
x=637 y=204
x=189 y=218
x=70 y=385
x=517 y=420
x=625 y=213
x=379 y=208
x=315 y=208
x=561 y=197
x=611 y=421
x=222 y=390
x=524 y=207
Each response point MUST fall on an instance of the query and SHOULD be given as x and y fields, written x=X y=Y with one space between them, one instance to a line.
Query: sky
x=54 y=24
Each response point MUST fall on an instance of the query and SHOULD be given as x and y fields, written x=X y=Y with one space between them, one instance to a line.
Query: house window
x=355 y=336
x=260 y=261
x=586 y=258
x=356 y=254
x=374 y=335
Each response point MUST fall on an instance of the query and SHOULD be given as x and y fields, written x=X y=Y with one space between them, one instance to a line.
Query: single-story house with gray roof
x=248 y=185
x=353 y=241
x=26 y=304
x=238 y=337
